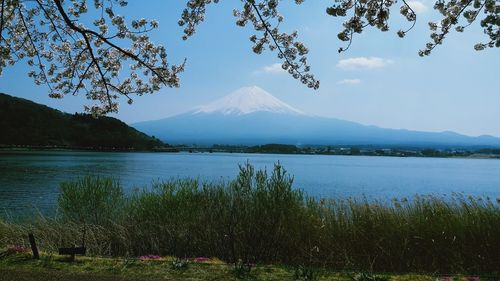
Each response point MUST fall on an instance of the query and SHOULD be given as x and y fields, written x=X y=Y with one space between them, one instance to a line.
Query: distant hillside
x=25 y=123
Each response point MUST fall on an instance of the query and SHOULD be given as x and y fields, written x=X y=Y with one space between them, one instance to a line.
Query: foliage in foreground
x=260 y=218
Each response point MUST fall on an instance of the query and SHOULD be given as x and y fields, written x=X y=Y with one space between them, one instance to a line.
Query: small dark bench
x=73 y=251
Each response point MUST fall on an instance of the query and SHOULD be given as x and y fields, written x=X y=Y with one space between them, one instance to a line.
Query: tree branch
x=415 y=14
x=82 y=77
x=274 y=39
x=83 y=31
x=40 y=63
x=96 y=63
x=454 y=20
x=1 y=20
x=47 y=15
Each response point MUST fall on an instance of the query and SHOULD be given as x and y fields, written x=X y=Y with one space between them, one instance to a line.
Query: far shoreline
x=394 y=152
x=83 y=149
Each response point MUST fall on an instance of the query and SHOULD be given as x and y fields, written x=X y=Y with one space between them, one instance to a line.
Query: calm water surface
x=31 y=179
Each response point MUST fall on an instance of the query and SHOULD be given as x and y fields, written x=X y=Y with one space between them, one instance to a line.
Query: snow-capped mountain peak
x=247 y=100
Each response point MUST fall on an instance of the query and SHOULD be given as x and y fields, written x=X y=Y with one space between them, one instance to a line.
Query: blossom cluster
x=105 y=60
x=265 y=19
x=373 y=13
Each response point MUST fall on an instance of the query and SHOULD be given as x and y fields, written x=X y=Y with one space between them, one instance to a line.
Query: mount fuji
x=246 y=101
x=252 y=116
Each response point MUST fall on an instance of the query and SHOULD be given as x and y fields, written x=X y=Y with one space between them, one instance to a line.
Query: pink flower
x=445 y=277
x=200 y=259
x=15 y=249
x=472 y=278
x=149 y=257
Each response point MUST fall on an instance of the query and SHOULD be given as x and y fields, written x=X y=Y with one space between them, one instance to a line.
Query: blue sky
x=379 y=81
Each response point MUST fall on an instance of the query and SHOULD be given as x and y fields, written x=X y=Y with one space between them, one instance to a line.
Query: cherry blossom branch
x=264 y=23
x=84 y=32
x=30 y=38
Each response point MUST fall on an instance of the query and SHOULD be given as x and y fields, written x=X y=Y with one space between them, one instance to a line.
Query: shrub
x=180 y=264
x=91 y=200
x=241 y=269
x=304 y=273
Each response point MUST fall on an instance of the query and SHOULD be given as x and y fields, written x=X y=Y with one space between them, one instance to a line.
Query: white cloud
x=349 y=82
x=417 y=6
x=272 y=69
x=363 y=63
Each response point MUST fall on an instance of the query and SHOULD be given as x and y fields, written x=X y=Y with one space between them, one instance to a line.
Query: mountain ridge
x=257 y=127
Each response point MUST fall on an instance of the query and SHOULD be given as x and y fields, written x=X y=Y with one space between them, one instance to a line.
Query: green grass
x=259 y=218
x=50 y=267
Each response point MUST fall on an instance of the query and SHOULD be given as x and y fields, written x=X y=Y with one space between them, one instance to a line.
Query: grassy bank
x=21 y=267
x=259 y=219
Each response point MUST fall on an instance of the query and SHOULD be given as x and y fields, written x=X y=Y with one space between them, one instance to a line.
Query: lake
x=30 y=179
